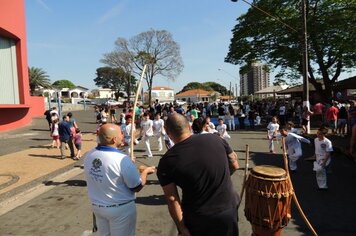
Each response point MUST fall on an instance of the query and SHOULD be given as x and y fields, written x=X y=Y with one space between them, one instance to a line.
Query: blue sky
x=67 y=38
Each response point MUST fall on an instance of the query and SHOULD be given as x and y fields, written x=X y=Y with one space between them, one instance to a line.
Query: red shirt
x=331 y=113
x=318 y=108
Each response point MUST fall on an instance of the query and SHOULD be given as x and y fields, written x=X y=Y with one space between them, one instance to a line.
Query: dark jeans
x=223 y=223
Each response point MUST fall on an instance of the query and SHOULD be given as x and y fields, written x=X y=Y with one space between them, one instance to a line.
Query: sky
x=67 y=38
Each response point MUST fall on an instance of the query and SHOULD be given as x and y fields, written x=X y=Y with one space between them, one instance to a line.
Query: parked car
x=55 y=101
x=87 y=102
x=180 y=102
x=112 y=102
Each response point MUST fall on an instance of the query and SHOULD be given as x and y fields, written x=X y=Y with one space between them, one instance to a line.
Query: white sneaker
x=160 y=150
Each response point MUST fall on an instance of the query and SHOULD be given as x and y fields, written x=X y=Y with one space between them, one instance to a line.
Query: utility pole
x=305 y=61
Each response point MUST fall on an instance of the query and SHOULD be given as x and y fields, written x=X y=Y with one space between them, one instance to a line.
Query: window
x=9 y=89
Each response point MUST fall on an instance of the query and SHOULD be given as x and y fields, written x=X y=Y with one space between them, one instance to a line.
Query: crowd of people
x=65 y=133
x=198 y=160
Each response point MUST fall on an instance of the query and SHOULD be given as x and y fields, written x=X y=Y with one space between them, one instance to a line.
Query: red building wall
x=13 y=25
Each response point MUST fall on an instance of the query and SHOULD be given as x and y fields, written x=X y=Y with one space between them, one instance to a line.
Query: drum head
x=269 y=171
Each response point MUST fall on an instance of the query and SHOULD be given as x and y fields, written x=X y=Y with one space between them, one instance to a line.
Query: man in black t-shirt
x=201 y=166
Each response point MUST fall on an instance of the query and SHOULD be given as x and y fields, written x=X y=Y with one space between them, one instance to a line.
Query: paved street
x=62 y=207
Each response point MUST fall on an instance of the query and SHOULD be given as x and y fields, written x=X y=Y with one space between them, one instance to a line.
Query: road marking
x=21 y=198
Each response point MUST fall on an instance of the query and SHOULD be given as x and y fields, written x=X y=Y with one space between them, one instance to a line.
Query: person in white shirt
x=126 y=132
x=210 y=125
x=158 y=130
x=294 y=147
x=323 y=149
x=272 y=131
x=147 y=132
x=222 y=129
x=112 y=180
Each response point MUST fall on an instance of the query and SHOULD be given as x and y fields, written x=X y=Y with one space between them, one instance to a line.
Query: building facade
x=255 y=80
x=162 y=94
x=17 y=107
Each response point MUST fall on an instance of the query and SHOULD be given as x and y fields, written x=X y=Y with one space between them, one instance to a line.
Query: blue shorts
x=332 y=124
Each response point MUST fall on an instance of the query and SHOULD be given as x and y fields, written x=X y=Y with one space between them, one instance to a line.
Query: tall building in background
x=256 y=79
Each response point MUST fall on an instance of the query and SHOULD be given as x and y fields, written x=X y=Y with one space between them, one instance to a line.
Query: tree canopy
x=156 y=48
x=63 y=84
x=209 y=86
x=38 y=79
x=116 y=79
x=331 y=39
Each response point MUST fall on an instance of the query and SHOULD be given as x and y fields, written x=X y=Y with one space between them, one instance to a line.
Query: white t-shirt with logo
x=322 y=148
x=147 y=128
x=272 y=129
x=110 y=176
x=158 y=127
x=126 y=129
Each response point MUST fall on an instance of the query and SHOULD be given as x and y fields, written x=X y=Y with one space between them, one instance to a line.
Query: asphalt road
x=64 y=209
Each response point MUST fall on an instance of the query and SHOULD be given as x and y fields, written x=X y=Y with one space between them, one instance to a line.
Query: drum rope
x=285 y=159
x=247 y=153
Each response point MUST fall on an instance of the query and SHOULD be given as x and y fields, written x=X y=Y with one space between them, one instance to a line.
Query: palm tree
x=38 y=78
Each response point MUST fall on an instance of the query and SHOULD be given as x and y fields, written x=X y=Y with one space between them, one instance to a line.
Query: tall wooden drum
x=268 y=200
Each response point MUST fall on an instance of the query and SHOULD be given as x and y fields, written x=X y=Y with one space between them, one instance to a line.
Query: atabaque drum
x=268 y=200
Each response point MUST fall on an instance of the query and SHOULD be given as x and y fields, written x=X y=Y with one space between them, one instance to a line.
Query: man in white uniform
x=158 y=130
x=147 y=132
x=294 y=147
x=323 y=149
x=112 y=181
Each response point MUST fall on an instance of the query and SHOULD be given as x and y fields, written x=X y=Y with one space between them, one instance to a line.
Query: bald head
x=110 y=135
x=177 y=126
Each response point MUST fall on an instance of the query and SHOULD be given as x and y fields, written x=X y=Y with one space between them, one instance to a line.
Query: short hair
x=323 y=130
x=220 y=119
x=128 y=117
x=197 y=125
x=290 y=123
x=176 y=125
x=70 y=114
x=77 y=130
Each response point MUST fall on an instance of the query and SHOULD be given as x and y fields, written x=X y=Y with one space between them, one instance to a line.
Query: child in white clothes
x=55 y=134
x=126 y=132
x=158 y=130
x=222 y=129
x=323 y=148
x=272 y=130
x=147 y=132
x=210 y=125
x=294 y=147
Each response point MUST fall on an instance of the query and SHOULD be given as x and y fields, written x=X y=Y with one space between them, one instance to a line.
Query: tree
x=331 y=34
x=208 y=86
x=217 y=87
x=113 y=78
x=60 y=84
x=38 y=79
x=156 y=48
x=194 y=85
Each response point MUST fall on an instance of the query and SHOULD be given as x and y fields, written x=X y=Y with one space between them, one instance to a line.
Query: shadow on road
x=45 y=155
x=74 y=183
x=153 y=200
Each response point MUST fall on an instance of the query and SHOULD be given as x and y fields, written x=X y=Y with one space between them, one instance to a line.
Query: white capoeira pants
x=159 y=140
x=146 y=139
x=293 y=156
x=116 y=221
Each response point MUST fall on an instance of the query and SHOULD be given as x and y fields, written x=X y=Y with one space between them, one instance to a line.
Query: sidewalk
x=27 y=159
x=22 y=170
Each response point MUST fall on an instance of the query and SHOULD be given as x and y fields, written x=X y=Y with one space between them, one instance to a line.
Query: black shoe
x=323 y=189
